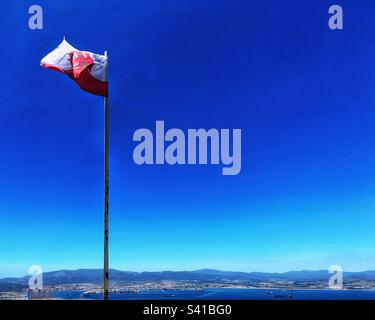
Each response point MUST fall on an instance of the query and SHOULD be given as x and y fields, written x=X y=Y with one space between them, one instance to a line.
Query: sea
x=224 y=294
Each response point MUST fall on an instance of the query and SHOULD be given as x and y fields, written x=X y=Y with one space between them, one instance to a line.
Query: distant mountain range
x=95 y=276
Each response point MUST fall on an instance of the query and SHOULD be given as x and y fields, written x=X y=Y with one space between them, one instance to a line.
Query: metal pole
x=106 y=200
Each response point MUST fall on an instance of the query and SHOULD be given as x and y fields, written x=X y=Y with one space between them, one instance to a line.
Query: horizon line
x=195 y=270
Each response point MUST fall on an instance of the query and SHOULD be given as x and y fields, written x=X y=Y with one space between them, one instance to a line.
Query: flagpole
x=106 y=198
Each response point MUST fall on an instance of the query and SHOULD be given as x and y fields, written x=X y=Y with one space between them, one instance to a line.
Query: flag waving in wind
x=87 y=69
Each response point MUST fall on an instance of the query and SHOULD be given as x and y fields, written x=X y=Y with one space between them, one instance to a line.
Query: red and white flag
x=87 y=69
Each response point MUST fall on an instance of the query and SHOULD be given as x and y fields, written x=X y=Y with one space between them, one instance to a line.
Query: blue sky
x=302 y=94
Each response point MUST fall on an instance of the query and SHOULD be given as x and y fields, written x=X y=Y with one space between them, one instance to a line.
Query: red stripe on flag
x=89 y=83
x=84 y=79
